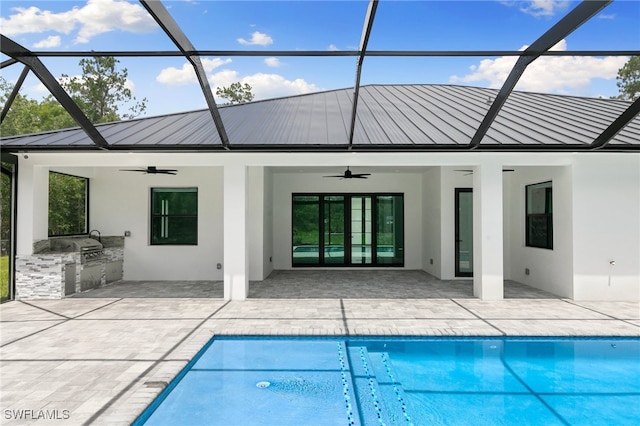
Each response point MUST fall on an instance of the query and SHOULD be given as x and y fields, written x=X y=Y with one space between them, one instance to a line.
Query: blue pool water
x=403 y=381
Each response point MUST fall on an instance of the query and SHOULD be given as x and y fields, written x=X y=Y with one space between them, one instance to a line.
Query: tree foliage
x=30 y=116
x=236 y=93
x=67 y=204
x=102 y=89
x=629 y=79
x=100 y=93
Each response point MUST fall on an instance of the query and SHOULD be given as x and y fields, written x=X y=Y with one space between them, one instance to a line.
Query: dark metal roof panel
x=427 y=115
x=317 y=119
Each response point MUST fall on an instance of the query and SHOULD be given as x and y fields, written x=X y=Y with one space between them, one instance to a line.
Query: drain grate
x=263 y=385
x=156 y=384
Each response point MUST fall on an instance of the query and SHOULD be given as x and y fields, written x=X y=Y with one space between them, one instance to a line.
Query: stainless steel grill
x=88 y=248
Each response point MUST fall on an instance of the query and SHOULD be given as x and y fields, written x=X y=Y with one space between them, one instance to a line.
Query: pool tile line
x=135 y=381
x=345 y=385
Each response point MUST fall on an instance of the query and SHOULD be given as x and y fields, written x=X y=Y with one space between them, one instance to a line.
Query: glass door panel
x=464 y=232
x=361 y=230
x=306 y=230
x=7 y=224
x=333 y=234
x=389 y=230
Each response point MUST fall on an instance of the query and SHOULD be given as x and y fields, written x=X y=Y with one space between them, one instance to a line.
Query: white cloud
x=544 y=7
x=605 y=16
x=332 y=47
x=263 y=86
x=51 y=41
x=547 y=74
x=34 y=20
x=94 y=18
x=539 y=7
x=257 y=38
x=272 y=62
x=186 y=75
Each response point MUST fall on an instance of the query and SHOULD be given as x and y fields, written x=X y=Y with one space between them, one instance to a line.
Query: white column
x=236 y=254
x=488 y=274
x=32 y=220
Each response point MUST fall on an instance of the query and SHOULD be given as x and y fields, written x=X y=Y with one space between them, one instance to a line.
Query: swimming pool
x=403 y=381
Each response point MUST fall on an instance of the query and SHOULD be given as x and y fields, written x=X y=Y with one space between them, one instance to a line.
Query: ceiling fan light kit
x=348 y=174
x=152 y=170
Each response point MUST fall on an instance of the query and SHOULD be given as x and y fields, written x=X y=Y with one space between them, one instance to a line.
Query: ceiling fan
x=349 y=175
x=152 y=170
x=470 y=172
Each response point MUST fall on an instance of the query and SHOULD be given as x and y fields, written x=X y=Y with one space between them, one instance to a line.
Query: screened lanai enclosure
x=481 y=184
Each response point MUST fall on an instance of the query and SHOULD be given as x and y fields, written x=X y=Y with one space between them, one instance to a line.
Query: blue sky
x=169 y=84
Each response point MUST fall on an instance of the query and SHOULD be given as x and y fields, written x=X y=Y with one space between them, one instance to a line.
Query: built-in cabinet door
x=464 y=232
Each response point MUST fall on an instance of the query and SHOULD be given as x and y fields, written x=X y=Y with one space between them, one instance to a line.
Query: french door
x=347 y=230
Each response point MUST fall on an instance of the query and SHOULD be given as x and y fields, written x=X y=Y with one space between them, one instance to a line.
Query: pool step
x=391 y=389
x=372 y=409
x=381 y=398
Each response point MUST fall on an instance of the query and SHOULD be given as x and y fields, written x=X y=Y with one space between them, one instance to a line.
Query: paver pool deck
x=102 y=360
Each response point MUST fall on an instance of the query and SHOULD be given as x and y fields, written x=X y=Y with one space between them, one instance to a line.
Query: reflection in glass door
x=361 y=230
x=333 y=230
x=306 y=230
x=389 y=235
x=7 y=225
x=464 y=232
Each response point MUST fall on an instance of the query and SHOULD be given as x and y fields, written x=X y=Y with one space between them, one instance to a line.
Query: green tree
x=629 y=79
x=236 y=93
x=102 y=90
x=30 y=116
x=67 y=204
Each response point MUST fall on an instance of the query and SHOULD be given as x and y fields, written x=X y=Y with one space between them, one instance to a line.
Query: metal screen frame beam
x=578 y=16
x=24 y=56
x=160 y=14
x=618 y=124
x=323 y=53
x=364 y=40
x=14 y=93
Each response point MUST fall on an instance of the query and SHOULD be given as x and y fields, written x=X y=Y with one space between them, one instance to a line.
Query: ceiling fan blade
x=134 y=170
x=359 y=177
x=338 y=176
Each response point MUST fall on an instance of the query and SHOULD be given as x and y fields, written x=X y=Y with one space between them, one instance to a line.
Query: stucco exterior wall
x=606 y=227
x=120 y=202
x=549 y=270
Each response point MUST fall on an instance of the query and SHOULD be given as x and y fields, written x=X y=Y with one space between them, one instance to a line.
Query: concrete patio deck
x=102 y=360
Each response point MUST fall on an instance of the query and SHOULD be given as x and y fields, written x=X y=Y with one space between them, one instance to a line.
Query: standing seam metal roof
x=416 y=115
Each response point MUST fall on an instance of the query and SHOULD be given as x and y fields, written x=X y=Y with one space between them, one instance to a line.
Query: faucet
x=95 y=230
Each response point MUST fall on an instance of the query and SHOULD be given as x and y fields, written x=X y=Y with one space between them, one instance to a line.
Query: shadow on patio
x=320 y=284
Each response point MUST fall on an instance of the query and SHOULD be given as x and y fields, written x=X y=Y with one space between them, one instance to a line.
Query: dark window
x=68 y=204
x=174 y=216
x=539 y=220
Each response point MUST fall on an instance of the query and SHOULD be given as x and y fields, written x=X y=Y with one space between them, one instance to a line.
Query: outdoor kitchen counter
x=54 y=274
